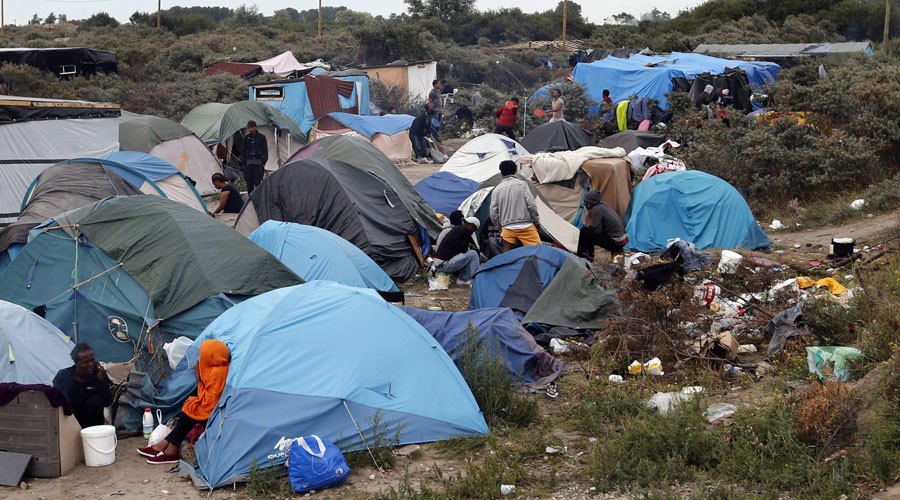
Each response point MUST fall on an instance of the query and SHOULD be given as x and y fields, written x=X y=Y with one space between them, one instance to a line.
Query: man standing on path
x=254 y=155
x=513 y=208
x=434 y=99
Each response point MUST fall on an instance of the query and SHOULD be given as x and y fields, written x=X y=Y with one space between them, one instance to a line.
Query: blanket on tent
x=562 y=165
x=640 y=155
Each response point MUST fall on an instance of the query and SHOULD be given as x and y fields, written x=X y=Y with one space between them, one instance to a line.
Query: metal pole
x=887 y=21
x=2 y=17
x=320 y=19
x=159 y=14
x=565 y=5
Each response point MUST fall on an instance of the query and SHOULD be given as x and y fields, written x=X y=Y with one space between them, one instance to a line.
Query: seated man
x=230 y=200
x=85 y=386
x=606 y=229
x=454 y=255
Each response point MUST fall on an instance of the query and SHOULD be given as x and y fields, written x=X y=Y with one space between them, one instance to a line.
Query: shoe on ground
x=161 y=458
x=148 y=452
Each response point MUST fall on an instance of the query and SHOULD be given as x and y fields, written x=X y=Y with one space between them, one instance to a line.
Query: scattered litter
x=796 y=245
x=747 y=349
x=664 y=401
x=858 y=204
x=616 y=379
x=830 y=283
x=762 y=262
x=734 y=370
x=407 y=450
x=729 y=262
x=24 y=486
x=719 y=345
x=776 y=225
x=555 y=450
x=117 y=493
x=786 y=324
x=166 y=492
x=145 y=481
x=654 y=367
x=835 y=456
x=371 y=477
x=831 y=362
x=558 y=346
x=439 y=282
x=719 y=411
x=507 y=489
x=707 y=293
x=592 y=440
x=635 y=368
x=693 y=260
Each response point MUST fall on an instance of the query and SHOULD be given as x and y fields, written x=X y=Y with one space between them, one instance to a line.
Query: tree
x=35 y=20
x=99 y=20
x=445 y=10
x=51 y=19
x=624 y=18
x=656 y=15
x=63 y=18
x=247 y=16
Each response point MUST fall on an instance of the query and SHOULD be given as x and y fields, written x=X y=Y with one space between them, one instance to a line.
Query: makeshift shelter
x=285 y=346
x=343 y=199
x=828 y=53
x=651 y=76
x=36 y=133
x=610 y=176
x=283 y=65
x=365 y=156
x=444 y=192
x=557 y=136
x=544 y=285
x=173 y=143
x=75 y=183
x=32 y=350
x=414 y=77
x=243 y=70
x=225 y=124
x=129 y=273
x=498 y=329
x=317 y=254
x=63 y=61
x=479 y=159
x=388 y=133
x=553 y=227
x=695 y=206
x=308 y=99
x=629 y=140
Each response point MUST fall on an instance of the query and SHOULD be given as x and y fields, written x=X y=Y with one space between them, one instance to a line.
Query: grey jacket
x=513 y=203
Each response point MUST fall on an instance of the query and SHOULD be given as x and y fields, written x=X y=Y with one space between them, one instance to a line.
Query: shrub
x=827 y=417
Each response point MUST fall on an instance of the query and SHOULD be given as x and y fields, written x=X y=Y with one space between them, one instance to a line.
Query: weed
x=831 y=323
x=601 y=405
x=462 y=446
x=827 y=417
x=268 y=482
x=379 y=445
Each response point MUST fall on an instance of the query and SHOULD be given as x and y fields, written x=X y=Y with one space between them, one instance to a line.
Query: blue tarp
x=32 y=350
x=495 y=278
x=625 y=77
x=318 y=254
x=368 y=126
x=694 y=206
x=444 y=192
x=296 y=105
x=322 y=358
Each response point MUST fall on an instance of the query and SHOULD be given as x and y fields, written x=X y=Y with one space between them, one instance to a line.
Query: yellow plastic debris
x=830 y=283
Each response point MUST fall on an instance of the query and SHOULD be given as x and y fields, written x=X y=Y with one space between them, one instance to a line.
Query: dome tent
x=32 y=350
x=444 y=192
x=318 y=254
x=479 y=159
x=694 y=206
x=343 y=199
x=557 y=136
x=281 y=382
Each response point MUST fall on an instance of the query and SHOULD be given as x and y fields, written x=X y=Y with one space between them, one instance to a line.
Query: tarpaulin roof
x=18 y=109
x=557 y=136
x=651 y=76
x=365 y=156
x=32 y=350
x=285 y=346
x=63 y=60
x=215 y=122
x=694 y=206
x=282 y=65
x=296 y=99
x=243 y=70
x=144 y=132
x=317 y=254
x=445 y=192
x=368 y=126
x=176 y=253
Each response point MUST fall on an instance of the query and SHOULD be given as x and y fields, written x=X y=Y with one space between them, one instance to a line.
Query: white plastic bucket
x=99 y=445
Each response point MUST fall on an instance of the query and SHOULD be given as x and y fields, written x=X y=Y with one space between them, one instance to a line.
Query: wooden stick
x=417 y=250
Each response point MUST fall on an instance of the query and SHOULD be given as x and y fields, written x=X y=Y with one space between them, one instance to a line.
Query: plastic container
x=99 y=445
x=729 y=262
x=842 y=247
x=147 y=423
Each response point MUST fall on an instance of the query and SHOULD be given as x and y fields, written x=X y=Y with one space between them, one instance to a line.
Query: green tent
x=216 y=122
x=365 y=156
x=145 y=132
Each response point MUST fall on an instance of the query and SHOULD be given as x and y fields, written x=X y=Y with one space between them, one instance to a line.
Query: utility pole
x=159 y=14
x=320 y=19
x=2 y=17
x=887 y=21
x=565 y=5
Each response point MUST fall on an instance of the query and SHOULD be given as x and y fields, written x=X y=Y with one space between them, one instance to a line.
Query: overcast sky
x=20 y=11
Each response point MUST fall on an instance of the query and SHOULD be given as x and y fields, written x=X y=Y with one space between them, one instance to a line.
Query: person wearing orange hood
x=211 y=372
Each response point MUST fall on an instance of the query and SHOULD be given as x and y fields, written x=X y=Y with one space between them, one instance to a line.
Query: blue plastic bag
x=315 y=464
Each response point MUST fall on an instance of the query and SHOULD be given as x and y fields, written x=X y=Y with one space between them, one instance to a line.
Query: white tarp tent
x=36 y=133
x=479 y=159
x=282 y=65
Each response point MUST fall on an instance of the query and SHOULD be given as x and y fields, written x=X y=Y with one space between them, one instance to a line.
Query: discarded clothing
x=788 y=323
x=659 y=274
x=831 y=363
x=693 y=260
x=663 y=167
x=639 y=110
x=639 y=155
x=833 y=286
x=563 y=165
x=622 y=115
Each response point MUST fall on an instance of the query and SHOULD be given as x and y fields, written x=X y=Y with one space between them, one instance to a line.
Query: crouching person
x=455 y=256
x=606 y=229
x=211 y=372
x=85 y=386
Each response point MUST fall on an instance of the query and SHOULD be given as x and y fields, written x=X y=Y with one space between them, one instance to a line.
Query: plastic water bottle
x=147 y=422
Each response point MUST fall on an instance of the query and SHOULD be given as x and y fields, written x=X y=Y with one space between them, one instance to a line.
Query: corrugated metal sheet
x=323 y=93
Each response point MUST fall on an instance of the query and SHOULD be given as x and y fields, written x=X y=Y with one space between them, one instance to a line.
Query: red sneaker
x=148 y=451
x=162 y=458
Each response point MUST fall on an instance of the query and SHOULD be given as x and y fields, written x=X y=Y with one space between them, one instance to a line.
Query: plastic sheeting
x=368 y=126
x=32 y=350
x=694 y=206
x=283 y=64
x=557 y=136
x=296 y=105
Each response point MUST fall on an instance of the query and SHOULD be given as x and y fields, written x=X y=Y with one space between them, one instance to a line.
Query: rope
x=378 y=467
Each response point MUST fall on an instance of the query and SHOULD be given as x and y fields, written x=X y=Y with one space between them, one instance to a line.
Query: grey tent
x=172 y=142
x=365 y=156
x=558 y=136
x=629 y=140
x=350 y=202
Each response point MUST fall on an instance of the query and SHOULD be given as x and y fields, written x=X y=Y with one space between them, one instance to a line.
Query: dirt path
x=867 y=231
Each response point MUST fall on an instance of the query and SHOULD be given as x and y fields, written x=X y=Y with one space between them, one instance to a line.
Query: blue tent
x=694 y=206
x=368 y=126
x=323 y=358
x=318 y=254
x=32 y=350
x=444 y=192
x=499 y=327
x=295 y=100
x=494 y=285
x=625 y=77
